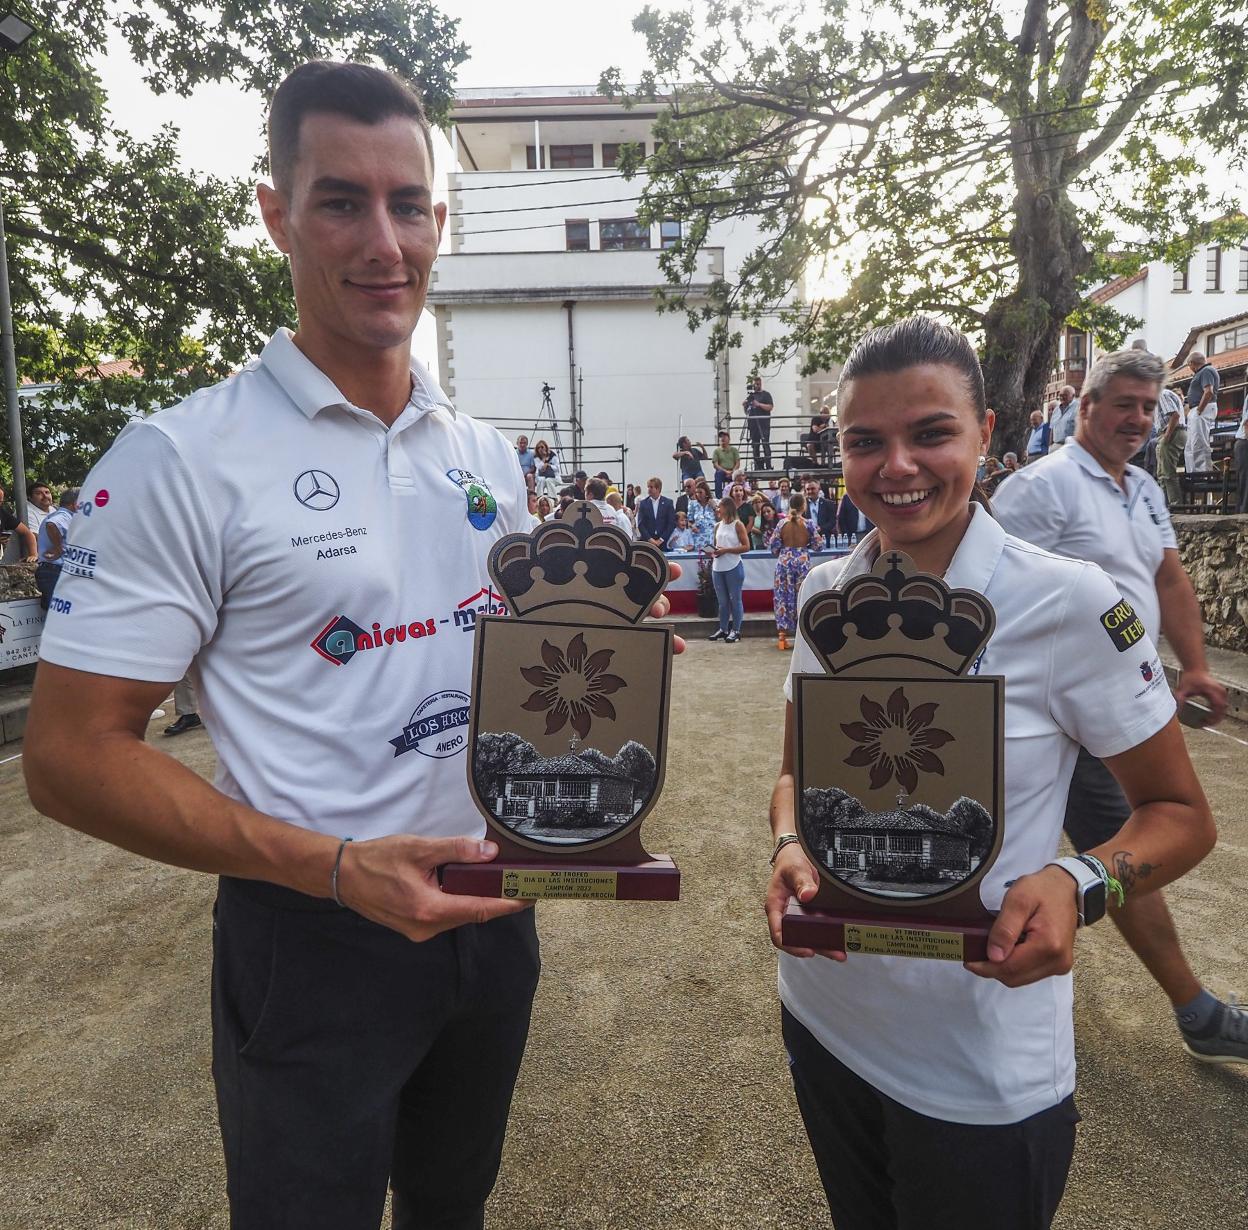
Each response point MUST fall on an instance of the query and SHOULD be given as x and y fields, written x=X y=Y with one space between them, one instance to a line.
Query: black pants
x=886 y=1167
x=347 y=1057
x=1241 y=476
x=1096 y=808
x=759 y=428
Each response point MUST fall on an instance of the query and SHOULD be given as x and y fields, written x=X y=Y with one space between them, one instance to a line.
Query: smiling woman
x=937 y=1095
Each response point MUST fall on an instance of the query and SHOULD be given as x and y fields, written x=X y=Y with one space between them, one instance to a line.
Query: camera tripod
x=546 y=415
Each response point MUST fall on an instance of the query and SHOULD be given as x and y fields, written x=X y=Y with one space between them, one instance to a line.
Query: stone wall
x=1215 y=554
x=17 y=581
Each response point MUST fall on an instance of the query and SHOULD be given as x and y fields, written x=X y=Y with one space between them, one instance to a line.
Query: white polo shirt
x=1068 y=503
x=323 y=572
x=929 y=1034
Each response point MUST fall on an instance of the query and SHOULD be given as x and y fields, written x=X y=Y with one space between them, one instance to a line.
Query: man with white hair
x=1064 y=417
x=1202 y=413
x=1087 y=502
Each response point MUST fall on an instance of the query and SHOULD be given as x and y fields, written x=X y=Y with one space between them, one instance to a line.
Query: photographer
x=758 y=406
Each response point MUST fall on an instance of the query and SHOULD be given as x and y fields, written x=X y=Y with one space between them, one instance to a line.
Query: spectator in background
x=1171 y=444
x=1009 y=462
x=186 y=707
x=1064 y=417
x=819 y=508
x=545 y=469
x=739 y=494
x=1038 y=441
x=596 y=489
x=690 y=456
x=791 y=542
x=579 y=479
x=682 y=500
x=993 y=473
x=758 y=407
x=16 y=540
x=617 y=502
x=702 y=516
x=728 y=571
x=545 y=509
x=39 y=504
x=764 y=524
x=532 y=504
x=780 y=497
x=630 y=497
x=527 y=458
x=851 y=520
x=53 y=538
x=681 y=538
x=815 y=441
x=656 y=515
x=726 y=458
x=1202 y=413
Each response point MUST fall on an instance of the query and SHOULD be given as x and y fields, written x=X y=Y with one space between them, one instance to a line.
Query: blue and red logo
x=1146 y=669
x=342 y=638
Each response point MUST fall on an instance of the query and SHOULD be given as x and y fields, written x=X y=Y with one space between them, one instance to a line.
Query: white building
x=546 y=276
x=1171 y=302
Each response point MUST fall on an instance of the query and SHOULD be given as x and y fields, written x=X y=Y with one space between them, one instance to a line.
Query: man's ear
x=439 y=216
x=276 y=214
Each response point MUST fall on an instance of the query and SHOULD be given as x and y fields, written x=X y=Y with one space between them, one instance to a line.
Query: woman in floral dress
x=791 y=543
x=702 y=516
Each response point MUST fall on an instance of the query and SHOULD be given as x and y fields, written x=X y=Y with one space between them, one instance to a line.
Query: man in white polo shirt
x=330 y=620
x=1087 y=502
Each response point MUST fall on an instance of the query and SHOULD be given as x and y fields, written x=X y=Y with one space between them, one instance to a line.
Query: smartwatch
x=1091 y=891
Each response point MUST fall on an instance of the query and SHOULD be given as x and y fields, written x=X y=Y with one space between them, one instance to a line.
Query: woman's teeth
x=905 y=497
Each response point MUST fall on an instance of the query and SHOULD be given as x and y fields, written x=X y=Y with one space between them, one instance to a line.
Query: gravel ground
x=654 y=1091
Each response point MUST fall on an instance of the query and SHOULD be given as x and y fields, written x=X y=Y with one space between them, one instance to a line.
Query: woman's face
x=541 y=448
x=703 y=494
x=738 y=493
x=911 y=443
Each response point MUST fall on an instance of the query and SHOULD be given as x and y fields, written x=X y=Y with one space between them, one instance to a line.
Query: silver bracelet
x=333 y=879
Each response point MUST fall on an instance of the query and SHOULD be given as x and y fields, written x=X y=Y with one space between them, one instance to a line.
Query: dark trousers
x=1241 y=476
x=886 y=1167
x=1096 y=808
x=46 y=577
x=759 y=428
x=347 y=1058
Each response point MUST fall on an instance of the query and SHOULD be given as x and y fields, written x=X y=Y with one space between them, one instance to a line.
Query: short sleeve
x=146 y=586
x=1029 y=507
x=1107 y=687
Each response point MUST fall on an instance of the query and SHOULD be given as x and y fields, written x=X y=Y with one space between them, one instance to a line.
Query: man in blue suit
x=656 y=515
x=850 y=520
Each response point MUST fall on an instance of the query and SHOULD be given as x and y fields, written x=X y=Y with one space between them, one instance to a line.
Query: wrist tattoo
x=1128 y=873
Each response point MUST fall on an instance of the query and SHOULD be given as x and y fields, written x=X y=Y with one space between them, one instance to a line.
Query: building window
x=622 y=235
x=571 y=157
x=1243 y=267
x=1076 y=355
x=578 y=235
x=530 y=157
x=1228 y=339
x=669 y=233
x=1213 y=269
x=1180 y=276
x=611 y=151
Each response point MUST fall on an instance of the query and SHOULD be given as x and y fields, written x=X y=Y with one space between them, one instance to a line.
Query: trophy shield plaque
x=899 y=766
x=568 y=723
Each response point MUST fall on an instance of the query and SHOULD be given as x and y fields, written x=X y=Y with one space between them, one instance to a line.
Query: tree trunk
x=1022 y=330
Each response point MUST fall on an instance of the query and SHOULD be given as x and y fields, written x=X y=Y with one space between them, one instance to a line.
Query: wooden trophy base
x=895 y=935
x=657 y=879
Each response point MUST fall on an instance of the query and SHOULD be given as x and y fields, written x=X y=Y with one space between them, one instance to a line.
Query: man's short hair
x=1134 y=364
x=30 y=491
x=1196 y=354
x=69 y=497
x=361 y=92
x=596 y=489
x=655 y=482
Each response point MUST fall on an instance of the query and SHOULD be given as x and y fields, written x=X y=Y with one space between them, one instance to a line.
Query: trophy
x=899 y=764
x=568 y=728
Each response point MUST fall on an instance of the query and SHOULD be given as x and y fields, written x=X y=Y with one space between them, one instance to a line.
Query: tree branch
x=1114 y=127
x=96 y=253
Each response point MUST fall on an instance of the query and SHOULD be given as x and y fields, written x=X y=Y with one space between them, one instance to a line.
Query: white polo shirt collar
x=313 y=391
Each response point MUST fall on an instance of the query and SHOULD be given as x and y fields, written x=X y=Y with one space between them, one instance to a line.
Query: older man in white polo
x=1087 y=502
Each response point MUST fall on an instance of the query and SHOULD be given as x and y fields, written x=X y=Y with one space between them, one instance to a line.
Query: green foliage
x=118 y=251
x=965 y=159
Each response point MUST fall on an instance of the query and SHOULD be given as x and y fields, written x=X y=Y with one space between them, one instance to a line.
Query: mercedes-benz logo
x=316 y=490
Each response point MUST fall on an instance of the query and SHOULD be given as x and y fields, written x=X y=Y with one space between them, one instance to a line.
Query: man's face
x=1196 y=362
x=654 y=489
x=690 y=484
x=811 y=491
x=360 y=227
x=785 y=487
x=758 y=383
x=1036 y=418
x=1068 y=392
x=1115 y=427
x=522 y=444
x=41 y=498
x=723 y=439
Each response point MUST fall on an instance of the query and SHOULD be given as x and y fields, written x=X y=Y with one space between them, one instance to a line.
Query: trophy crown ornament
x=575 y=568
x=893 y=613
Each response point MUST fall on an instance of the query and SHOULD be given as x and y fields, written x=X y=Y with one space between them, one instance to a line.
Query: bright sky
x=541 y=42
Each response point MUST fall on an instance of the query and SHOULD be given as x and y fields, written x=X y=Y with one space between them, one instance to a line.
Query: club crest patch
x=482 y=506
x=1122 y=625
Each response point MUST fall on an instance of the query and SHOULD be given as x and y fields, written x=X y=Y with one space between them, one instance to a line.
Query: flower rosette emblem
x=896 y=741
x=572 y=686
